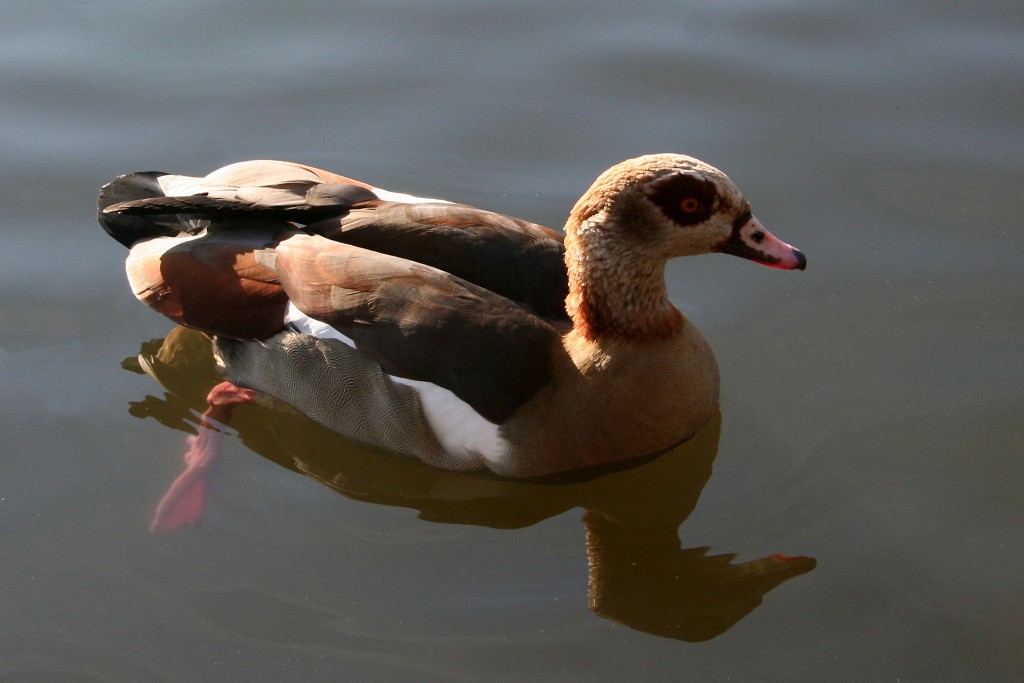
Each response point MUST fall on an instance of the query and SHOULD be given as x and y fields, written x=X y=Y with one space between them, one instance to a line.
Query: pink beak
x=750 y=240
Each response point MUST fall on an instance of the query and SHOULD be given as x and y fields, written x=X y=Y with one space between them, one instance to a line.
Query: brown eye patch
x=686 y=198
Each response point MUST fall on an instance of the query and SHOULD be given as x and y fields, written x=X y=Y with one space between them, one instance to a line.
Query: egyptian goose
x=468 y=339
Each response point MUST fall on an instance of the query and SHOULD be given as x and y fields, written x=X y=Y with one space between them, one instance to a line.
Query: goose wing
x=517 y=259
x=423 y=323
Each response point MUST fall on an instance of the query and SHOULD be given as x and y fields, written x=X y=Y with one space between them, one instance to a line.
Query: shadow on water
x=639 y=575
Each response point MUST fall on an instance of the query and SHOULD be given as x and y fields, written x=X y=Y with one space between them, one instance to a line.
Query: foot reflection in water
x=639 y=574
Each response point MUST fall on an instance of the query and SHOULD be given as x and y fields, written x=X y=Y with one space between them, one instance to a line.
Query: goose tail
x=127 y=227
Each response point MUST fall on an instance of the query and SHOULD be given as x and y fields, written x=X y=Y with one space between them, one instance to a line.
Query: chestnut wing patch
x=217 y=283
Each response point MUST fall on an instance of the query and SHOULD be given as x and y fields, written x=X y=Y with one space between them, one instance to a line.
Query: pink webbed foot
x=184 y=501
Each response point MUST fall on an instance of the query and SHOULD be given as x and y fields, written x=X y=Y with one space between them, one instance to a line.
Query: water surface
x=871 y=406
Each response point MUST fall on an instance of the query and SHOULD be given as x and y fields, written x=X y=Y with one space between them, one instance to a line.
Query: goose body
x=468 y=339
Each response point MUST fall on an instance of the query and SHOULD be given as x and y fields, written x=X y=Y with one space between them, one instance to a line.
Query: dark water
x=871 y=406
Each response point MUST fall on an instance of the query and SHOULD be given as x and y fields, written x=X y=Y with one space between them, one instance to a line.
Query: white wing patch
x=213 y=185
x=461 y=431
x=387 y=196
x=181 y=185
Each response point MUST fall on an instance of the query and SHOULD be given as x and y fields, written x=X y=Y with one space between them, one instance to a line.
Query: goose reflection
x=639 y=575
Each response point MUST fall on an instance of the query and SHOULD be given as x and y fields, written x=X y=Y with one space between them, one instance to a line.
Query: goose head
x=667 y=205
x=639 y=214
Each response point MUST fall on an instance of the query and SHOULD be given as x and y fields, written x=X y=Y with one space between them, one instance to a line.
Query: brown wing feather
x=422 y=323
x=519 y=260
x=272 y=173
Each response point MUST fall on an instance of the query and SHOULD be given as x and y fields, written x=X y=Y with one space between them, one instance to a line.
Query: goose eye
x=684 y=198
x=689 y=205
